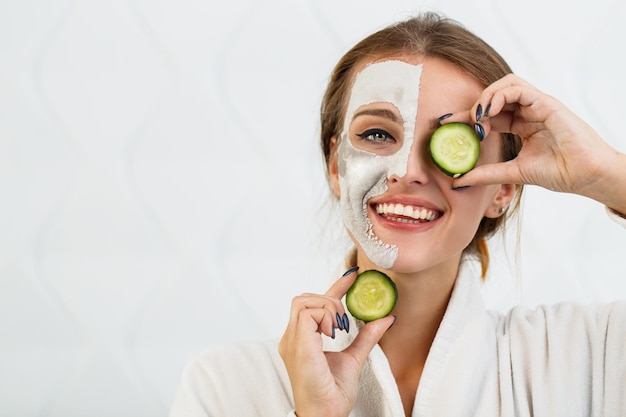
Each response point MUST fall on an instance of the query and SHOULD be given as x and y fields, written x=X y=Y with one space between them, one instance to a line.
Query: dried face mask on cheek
x=362 y=174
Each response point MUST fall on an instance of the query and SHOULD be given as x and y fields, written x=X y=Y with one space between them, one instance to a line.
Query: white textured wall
x=161 y=188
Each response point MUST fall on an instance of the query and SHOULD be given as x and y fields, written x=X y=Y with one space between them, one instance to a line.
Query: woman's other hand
x=325 y=383
x=560 y=151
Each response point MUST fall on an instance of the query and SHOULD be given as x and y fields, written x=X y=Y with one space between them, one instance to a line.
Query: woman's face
x=397 y=206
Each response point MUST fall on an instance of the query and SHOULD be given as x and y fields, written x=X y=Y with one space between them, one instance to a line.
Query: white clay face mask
x=362 y=174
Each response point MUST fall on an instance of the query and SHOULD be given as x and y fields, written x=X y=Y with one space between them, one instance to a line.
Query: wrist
x=609 y=186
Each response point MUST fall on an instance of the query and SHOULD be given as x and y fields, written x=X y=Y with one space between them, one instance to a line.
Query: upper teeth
x=407 y=211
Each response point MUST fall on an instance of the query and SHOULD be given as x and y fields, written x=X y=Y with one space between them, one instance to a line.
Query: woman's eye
x=376 y=135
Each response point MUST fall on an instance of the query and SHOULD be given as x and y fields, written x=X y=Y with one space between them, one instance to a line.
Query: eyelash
x=367 y=136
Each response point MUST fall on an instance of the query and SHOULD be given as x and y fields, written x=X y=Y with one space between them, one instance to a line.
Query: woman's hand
x=325 y=383
x=560 y=151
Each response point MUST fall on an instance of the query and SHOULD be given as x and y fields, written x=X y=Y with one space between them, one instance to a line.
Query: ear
x=501 y=200
x=333 y=169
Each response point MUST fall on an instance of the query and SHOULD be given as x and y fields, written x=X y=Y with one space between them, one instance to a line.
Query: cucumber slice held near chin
x=372 y=296
x=455 y=148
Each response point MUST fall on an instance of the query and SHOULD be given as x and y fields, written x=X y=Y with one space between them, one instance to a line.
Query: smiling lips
x=406 y=214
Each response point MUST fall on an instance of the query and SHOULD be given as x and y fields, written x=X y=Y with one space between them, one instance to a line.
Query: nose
x=418 y=165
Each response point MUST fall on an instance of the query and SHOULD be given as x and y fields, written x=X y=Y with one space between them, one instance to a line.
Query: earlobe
x=501 y=201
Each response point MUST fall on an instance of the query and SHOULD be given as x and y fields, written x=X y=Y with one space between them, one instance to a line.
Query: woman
x=439 y=352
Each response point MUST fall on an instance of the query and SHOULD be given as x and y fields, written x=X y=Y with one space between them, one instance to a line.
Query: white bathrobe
x=561 y=360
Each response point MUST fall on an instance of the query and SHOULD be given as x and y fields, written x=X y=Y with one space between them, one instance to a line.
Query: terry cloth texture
x=566 y=359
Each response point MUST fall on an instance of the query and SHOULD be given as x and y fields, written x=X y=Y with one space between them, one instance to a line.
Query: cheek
x=361 y=171
x=490 y=149
x=471 y=203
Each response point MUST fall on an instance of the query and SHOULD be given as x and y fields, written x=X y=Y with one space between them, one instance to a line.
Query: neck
x=422 y=296
x=422 y=301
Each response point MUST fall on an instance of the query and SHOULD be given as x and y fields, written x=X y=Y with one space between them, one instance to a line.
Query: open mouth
x=406 y=214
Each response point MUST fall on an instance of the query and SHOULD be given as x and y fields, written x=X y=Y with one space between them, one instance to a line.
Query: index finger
x=341 y=286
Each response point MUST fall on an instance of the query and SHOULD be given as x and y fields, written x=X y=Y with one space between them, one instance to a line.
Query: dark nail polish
x=339 y=321
x=332 y=335
x=346 y=323
x=487 y=110
x=479 y=112
x=444 y=117
x=480 y=131
x=351 y=270
x=461 y=188
x=394 y=322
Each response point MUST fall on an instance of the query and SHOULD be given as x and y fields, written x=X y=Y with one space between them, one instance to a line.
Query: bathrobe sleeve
x=616 y=217
x=243 y=380
x=564 y=360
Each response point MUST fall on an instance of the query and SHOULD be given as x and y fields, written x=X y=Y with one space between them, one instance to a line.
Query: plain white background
x=161 y=187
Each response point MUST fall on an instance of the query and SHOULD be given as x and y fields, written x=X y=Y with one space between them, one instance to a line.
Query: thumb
x=498 y=173
x=369 y=335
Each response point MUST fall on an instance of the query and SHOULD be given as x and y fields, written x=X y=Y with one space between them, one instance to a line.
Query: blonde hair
x=427 y=35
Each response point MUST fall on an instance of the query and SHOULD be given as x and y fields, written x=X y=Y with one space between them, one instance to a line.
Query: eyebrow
x=384 y=113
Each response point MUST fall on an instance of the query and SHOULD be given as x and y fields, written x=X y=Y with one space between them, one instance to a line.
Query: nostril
x=393 y=178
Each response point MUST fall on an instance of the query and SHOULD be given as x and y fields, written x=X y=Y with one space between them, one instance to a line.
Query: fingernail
x=461 y=187
x=346 y=323
x=351 y=270
x=393 y=322
x=479 y=112
x=487 y=110
x=444 y=117
x=339 y=321
x=332 y=335
x=480 y=131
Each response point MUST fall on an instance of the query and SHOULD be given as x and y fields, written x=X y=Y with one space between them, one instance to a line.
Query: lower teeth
x=403 y=220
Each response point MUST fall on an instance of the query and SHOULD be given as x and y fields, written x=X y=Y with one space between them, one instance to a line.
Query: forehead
x=396 y=79
x=437 y=68
x=380 y=77
x=389 y=81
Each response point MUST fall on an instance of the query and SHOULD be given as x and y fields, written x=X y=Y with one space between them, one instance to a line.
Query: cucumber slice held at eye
x=455 y=148
x=372 y=296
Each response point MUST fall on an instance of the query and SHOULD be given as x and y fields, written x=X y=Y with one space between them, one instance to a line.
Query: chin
x=408 y=263
x=410 y=266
